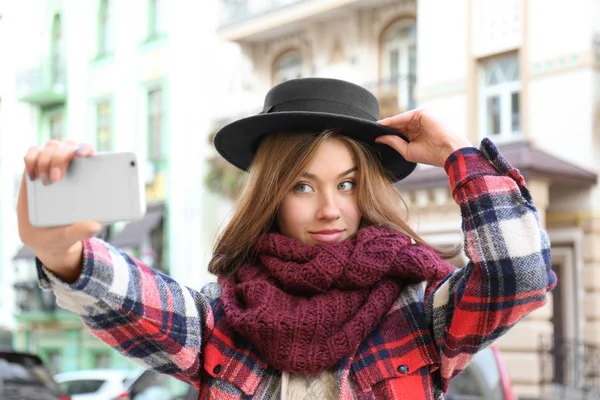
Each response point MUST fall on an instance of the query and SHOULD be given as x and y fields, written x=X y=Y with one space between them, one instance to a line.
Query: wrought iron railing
x=44 y=83
x=570 y=368
x=395 y=93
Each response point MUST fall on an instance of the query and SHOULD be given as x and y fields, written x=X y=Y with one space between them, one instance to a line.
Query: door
x=567 y=349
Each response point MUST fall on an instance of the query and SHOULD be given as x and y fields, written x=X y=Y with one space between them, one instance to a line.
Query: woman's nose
x=328 y=208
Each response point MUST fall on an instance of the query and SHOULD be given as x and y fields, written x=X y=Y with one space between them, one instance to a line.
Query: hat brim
x=237 y=142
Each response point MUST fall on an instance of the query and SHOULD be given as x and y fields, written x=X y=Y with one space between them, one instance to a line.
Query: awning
x=134 y=232
x=529 y=160
x=24 y=254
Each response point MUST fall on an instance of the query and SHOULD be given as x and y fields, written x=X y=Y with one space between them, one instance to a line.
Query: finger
x=60 y=160
x=43 y=161
x=23 y=223
x=84 y=150
x=31 y=160
x=395 y=142
x=403 y=121
x=22 y=209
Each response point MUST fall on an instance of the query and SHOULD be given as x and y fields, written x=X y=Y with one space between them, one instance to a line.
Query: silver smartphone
x=106 y=188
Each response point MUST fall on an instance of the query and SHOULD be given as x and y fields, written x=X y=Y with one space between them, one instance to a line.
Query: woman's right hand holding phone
x=60 y=249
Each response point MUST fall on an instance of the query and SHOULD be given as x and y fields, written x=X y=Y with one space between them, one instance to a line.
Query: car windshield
x=480 y=380
x=22 y=369
x=82 y=386
x=153 y=386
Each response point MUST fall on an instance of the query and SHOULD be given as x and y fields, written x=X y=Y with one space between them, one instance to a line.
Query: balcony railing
x=395 y=94
x=233 y=11
x=31 y=298
x=44 y=85
x=570 y=368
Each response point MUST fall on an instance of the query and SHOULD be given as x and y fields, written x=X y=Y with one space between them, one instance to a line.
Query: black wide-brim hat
x=313 y=105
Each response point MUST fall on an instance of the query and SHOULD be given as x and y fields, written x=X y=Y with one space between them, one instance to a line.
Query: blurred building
x=123 y=76
x=496 y=68
x=7 y=300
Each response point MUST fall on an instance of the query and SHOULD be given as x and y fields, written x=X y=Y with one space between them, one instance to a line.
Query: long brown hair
x=280 y=159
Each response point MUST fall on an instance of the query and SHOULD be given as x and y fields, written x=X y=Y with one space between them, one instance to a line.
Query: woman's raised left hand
x=430 y=142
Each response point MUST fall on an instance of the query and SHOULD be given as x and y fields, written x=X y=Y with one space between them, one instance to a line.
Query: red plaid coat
x=428 y=336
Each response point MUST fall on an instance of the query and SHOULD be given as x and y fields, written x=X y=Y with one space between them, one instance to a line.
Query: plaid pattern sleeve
x=509 y=271
x=142 y=313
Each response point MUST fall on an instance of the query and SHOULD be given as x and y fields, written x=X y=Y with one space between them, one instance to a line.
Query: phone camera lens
x=133 y=163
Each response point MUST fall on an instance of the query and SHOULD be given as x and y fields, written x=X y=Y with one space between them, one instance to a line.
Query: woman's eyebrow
x=313 y=176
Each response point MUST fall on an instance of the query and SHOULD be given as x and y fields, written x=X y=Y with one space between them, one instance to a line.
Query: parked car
x=97 y=384
x=485 y=378
x=154 y=386
x=23 y=376
x=111 y=384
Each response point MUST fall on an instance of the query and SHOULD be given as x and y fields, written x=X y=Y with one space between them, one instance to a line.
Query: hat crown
x=322 y=95
x=312 y=105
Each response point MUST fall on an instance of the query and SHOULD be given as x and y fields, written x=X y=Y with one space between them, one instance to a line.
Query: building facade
x=7 y=300
x=489 y=68
x=122 y=76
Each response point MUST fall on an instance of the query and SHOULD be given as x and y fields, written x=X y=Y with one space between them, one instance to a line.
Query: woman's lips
x=327 y=236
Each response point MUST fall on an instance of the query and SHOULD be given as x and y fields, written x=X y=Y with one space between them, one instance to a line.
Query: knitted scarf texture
x=305 y=307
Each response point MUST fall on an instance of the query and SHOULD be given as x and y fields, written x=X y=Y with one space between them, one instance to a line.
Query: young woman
x=323 y=291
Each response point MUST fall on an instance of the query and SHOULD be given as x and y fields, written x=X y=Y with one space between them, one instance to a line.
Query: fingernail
x=44 y=179
x=55 y=174
x=31 y=175
x=81 y=150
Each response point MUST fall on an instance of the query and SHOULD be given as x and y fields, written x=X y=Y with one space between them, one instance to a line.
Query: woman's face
x=322 y=206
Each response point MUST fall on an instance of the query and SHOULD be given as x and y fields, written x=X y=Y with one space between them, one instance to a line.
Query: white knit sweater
x=308 y=387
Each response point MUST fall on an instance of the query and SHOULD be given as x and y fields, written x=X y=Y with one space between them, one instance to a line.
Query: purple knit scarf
x=306 y=307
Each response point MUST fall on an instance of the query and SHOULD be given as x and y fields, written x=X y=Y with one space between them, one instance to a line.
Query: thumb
x=395 y=142
x=82 y=231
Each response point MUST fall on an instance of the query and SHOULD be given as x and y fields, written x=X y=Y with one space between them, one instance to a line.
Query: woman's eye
x=346 y=185
x=302 y=187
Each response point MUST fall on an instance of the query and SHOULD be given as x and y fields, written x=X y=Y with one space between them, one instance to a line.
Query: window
x=58 y=52
x=152 y=385
x=105 y=28
x=499 y=97
x=480 y=380
x=54 y=361
x=101 y=360
x=56 y=126
x=155 y=18
x=288 y=66
x=104 y=126
x=570 y=353
x=155 y=124
x=399 y=63
x=157 y=245
x=82 y=386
